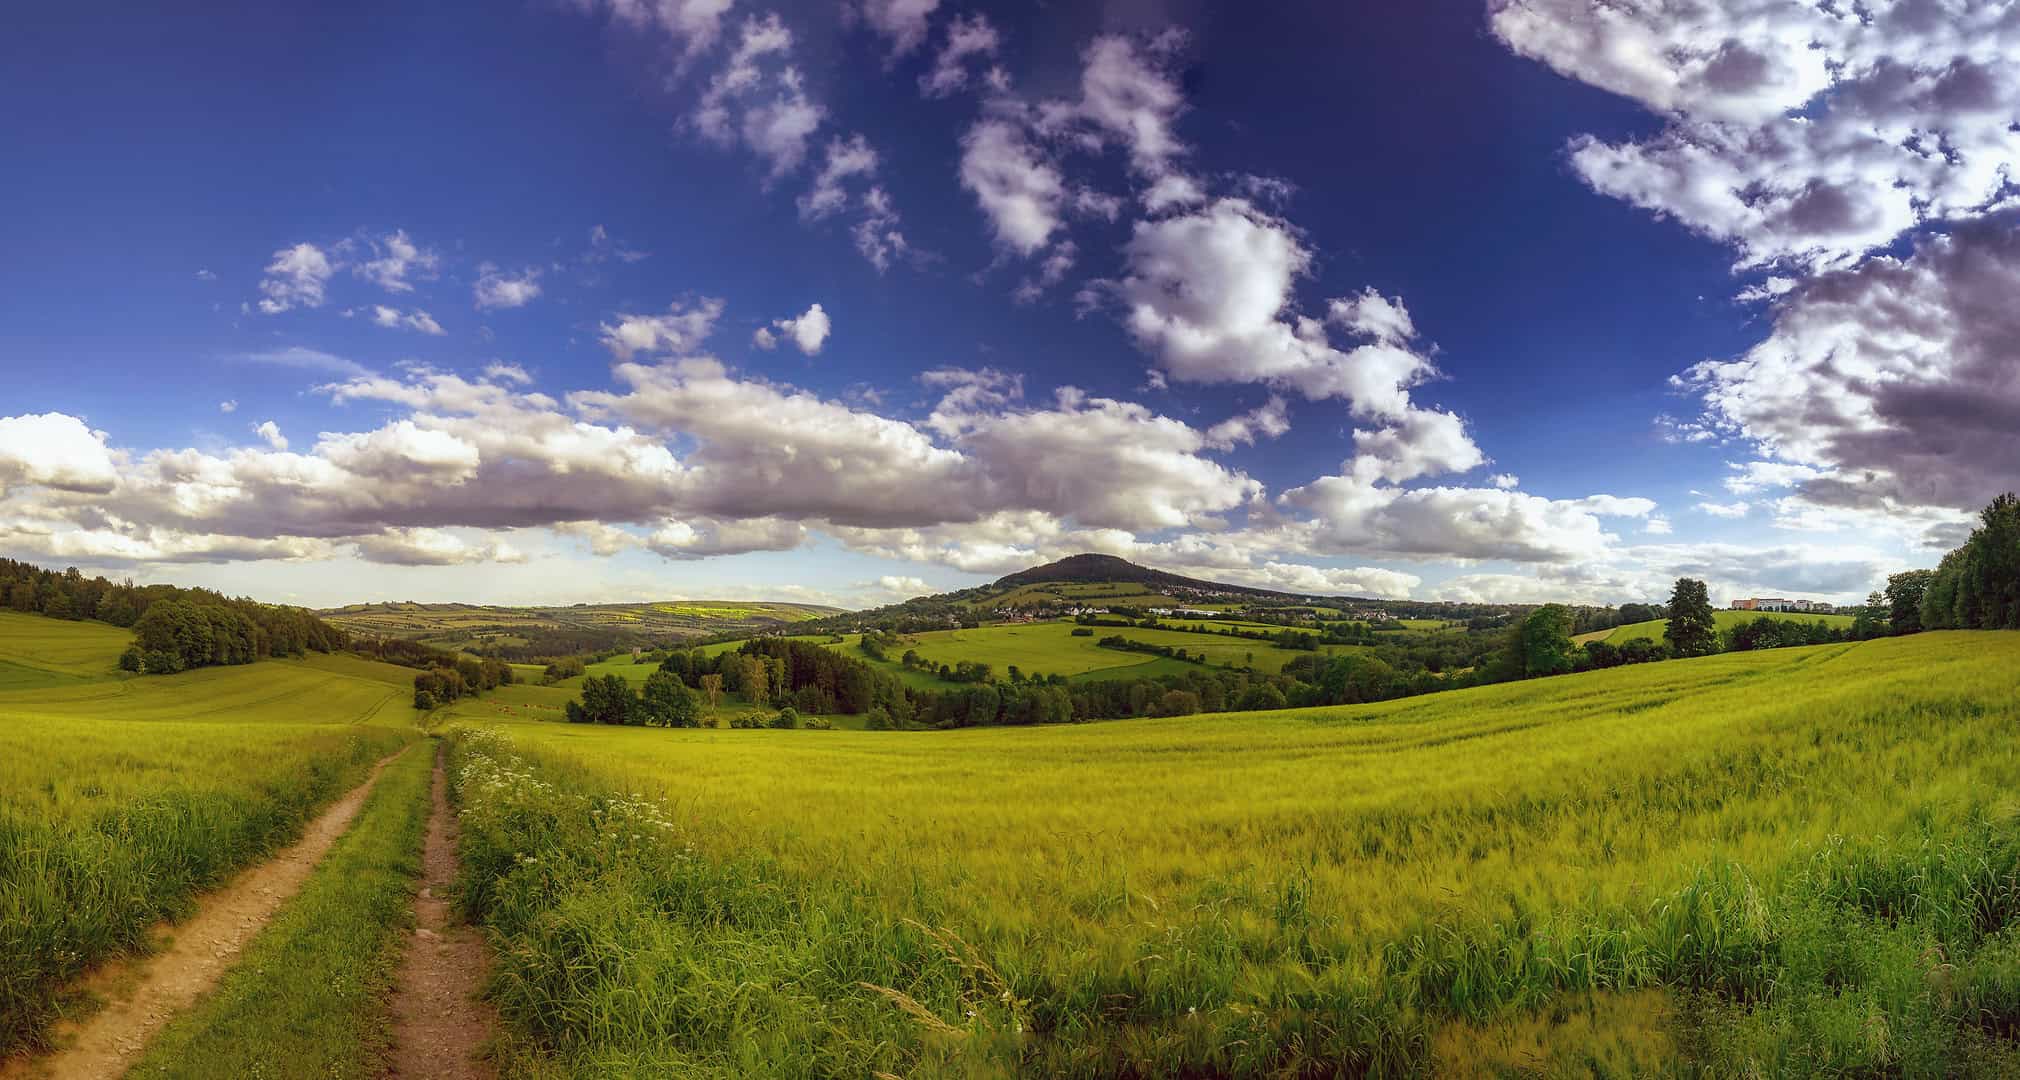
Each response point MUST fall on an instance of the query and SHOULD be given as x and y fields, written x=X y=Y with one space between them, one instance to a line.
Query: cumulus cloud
x=54 y=450
x=270 y=433
x=701 y=538
x=432 y=547
x=1018 y=188
x=497 y=288
x=228 y=406
x=1268 y=420
x=680 y=330
x=1884 y=387
x=1801 y=133
x=807 y=331
x=295 y=278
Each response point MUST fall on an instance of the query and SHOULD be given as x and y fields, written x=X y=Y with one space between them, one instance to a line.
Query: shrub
x=788 y=717
x=1083 y=631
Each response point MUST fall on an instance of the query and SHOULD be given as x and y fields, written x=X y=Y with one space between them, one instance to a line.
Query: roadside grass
x=1793 y=862
x=308 y=996
x=121 y=799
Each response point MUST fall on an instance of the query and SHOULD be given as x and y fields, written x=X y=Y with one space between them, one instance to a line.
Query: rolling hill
x=1725 y=620
x=508 y=631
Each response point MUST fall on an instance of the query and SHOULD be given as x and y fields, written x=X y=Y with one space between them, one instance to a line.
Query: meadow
x=122 y=797
x=1785 y=862
x=1047 y=648
x=1725 y=620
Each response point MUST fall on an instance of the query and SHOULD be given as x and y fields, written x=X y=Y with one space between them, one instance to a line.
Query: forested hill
x=1088 y=568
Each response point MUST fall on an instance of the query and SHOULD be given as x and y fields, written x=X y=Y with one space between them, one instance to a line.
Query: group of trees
x=458 y=677
x=175 y=629
x=664 y=701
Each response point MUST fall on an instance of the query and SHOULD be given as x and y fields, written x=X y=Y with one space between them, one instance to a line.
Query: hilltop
x=1091 y=568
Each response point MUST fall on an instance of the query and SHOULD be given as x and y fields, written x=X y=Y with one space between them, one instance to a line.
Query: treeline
x=1977 y=586
x=174 y=628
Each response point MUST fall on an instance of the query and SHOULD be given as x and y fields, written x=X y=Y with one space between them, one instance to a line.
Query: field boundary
x=144 y=993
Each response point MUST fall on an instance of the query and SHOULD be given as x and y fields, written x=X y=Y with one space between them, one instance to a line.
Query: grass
x=1726 y=620
x=308 y=997
x=1741 y=863
x=122 y=798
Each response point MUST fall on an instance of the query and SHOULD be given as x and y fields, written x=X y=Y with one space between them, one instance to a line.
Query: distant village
x=1776 y=603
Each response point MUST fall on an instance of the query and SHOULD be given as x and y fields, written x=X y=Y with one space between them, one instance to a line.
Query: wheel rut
x=144 y=993
x=440 y=1028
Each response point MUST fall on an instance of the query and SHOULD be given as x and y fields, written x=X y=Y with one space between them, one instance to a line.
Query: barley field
x=1794 y=861
x=121 y=797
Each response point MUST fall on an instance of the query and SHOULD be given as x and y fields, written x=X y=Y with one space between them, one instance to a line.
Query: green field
x=1726 y=620
x=1749 y=859
x=122 y=797
x=455 y=626
x=1046 y=648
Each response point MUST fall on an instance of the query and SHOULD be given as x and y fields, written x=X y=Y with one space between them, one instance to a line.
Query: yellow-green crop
x=1772 y=837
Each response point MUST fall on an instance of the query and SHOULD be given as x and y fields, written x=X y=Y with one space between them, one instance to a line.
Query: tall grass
x=308 y=996
x=122 y=799
x=1298 y=893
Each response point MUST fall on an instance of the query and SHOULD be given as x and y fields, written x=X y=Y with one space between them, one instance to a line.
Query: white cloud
x=1730 y=511
x=877 y=235
x=270 y=433
x=701 y=538
x=305 y=359
x=54 y=450
x=808 y=331
x=846 y=158
x=205 y=275
x=228 y=406
x=394 y=319
x=1268 y=420
x=1802 y=133
x=678 y=331
x=295 y=278
x=1019 y=190
x=497 y=288
x=901 y=21
x=501 y=372
x=432 y=547
x=967 y=36
x=1505 y=481
x=758 y=99
x=395 y=256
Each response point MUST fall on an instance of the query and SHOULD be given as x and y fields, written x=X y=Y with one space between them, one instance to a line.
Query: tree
x=1905 y=591
x=711 y=688
x=1692 y=630
x=667 y=702
x=608 y=699
x=1544 y=641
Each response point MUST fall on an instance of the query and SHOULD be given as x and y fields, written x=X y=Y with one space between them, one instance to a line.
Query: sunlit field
x=1727 y=861
x=1725 y=620
x=121 y=797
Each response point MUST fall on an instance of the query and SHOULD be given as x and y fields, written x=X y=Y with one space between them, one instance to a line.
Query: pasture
x=1726 y=620
x=121 y=797
x=1736 y=858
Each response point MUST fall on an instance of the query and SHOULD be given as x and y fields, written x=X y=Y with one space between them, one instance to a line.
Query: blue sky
x=1523 y=300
